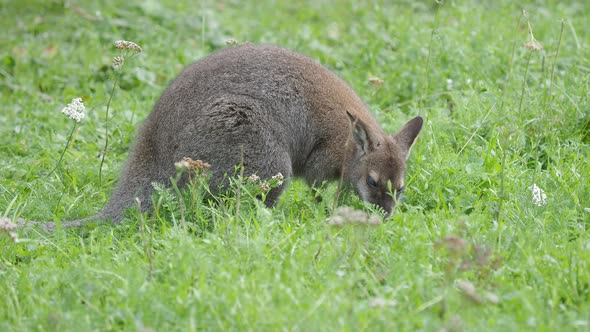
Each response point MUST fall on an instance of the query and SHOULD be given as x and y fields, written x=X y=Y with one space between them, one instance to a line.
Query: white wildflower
x=7 y=226
x=449 y=84
x=128 y=45
x=118 y=62
x=75 y=110
x=182 y=164
x=539 y=196
x=265 y=186
x=253 y=178
x=279 y=177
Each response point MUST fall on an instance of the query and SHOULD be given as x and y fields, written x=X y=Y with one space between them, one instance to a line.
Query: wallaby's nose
x=387 y=205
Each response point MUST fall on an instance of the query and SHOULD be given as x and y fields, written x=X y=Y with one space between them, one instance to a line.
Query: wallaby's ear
x=359 y=134
x=407 y=135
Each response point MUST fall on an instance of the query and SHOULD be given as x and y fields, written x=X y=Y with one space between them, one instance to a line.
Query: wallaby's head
x=378 y=166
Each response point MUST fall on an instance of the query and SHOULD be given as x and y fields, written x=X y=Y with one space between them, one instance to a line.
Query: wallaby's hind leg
x=235 y=130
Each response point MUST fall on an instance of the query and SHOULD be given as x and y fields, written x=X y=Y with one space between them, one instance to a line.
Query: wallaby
x=275 y=110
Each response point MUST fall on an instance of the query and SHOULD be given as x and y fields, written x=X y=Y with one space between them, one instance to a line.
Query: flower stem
x=106 y=138
x=526 y=72
x=550 y=85
x=61 y=157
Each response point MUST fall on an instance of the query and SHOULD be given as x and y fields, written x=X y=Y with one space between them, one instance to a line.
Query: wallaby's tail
x=141 y=170
x=50 y=226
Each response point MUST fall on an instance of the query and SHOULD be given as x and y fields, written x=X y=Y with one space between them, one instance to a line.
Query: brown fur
x=290 y=114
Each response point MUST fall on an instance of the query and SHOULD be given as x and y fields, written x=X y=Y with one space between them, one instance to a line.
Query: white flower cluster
x=75 y=110
x=539 y=196
x=118 y=62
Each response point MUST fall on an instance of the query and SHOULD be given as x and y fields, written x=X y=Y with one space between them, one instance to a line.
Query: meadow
x=493 y=233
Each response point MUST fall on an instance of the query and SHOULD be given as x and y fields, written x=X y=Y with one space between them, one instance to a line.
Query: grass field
x=470 y=248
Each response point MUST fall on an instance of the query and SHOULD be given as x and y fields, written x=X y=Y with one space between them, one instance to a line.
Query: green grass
x=499 y=117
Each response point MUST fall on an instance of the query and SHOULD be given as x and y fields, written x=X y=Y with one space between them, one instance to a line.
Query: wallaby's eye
x=371 y=182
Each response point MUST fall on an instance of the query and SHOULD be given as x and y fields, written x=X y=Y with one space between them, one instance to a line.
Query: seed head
x=201 y=165
x=190 y=164
x=128 y=45
x=375 y=81
x=533 y=45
